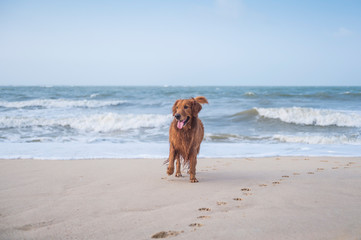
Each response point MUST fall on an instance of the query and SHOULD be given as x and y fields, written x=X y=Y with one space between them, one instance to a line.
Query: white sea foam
x=226 y=137
x=117 y=122
x=106 y=122
x=311 y=116
x=250 y=94
x=94 y=95
x=59 y=103
x=318 y=139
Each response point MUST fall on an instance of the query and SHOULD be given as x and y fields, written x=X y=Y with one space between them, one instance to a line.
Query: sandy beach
x=244 y=198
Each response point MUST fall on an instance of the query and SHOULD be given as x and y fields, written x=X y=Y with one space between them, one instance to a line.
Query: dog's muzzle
x=181 y=124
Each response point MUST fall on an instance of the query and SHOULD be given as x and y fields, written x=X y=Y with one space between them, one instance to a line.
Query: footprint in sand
x=195 y=225
x=310 y=173
x=204 y=209
x=263 y=185
x=29 y=227
x=221 y=203
x=296 y=173
x=237 y=199
x=350 y=163
x=274 y=183
x=204 y=217
x=285 y=176
x=164 y=234
x=335 y=168
x=245 y=189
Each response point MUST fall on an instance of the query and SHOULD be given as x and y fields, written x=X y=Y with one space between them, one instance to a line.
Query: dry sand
x=249 y=198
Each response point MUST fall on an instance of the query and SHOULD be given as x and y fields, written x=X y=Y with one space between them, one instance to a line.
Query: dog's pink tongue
x=180 y=124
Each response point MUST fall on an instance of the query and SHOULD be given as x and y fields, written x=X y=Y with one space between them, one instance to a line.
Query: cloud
x=229 y=8
x=343 y=32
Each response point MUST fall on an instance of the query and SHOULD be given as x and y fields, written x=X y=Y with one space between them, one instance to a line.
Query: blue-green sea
x=130 y=122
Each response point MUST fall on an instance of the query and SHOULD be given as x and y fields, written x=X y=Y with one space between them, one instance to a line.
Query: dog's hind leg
x=178 y=172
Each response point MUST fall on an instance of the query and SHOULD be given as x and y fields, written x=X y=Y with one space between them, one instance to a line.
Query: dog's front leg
x=192 y=170
x=172 y=154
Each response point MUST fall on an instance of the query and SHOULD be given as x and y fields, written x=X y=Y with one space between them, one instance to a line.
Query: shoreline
x=164 y=158
x=161 y=150
x=297 y=197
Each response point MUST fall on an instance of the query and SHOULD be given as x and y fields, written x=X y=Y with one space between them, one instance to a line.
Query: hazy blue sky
x=187 y=42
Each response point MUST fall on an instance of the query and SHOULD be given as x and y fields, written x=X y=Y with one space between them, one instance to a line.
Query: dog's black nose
x=177 y=116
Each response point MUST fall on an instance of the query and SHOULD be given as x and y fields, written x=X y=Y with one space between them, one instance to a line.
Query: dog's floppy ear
x=174 y=109
x=196 y=108
x=201 y=99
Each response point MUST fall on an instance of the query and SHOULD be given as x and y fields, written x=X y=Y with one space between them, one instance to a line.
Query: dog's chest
x=182 y=139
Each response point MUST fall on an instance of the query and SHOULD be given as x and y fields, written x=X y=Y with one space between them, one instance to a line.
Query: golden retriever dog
x=185 y=135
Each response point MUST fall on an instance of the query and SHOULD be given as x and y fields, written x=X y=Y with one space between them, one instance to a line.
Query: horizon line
x=166 y=85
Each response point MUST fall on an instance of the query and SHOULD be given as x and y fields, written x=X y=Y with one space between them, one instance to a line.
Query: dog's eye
x=185 y=107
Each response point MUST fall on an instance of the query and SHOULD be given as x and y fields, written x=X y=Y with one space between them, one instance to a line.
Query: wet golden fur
x=185 y=142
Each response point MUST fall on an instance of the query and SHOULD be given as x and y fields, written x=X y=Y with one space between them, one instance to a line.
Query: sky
x=180 y=43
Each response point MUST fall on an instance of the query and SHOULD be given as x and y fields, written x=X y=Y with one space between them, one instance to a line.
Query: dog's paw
x=178 y=174
x=193 y=180
x=170 y=170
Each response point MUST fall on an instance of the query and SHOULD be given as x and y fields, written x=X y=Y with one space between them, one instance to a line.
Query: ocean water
x=131 y=122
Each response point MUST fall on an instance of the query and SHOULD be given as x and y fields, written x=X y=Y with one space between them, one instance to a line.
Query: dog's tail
x=201 y=99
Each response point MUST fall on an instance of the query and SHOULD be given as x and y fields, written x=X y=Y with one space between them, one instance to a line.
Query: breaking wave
x=224 y=137
x=318 y=139
x=108 y=122
x=59 y=103
x=306 y=139
x=311 y=116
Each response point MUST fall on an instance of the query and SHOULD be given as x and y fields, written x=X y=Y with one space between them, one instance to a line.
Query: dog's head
x=186 y=109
